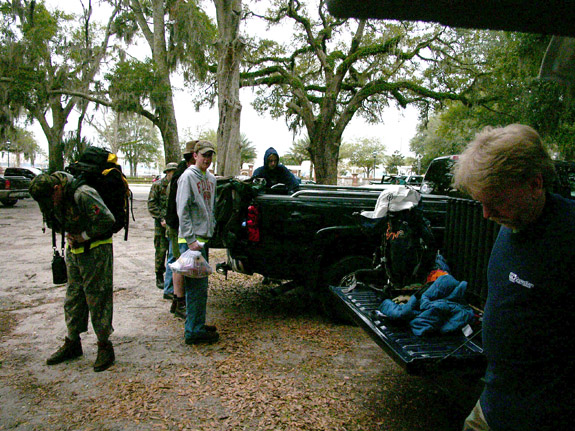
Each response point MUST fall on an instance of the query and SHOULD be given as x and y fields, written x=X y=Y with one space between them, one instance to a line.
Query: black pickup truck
x=309 y=238
x=13 y=186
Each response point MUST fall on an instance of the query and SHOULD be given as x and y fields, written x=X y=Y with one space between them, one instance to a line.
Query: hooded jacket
x=279 y=175
x=195 y=199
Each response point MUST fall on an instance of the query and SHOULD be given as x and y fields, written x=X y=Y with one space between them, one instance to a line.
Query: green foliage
x=133 y=83
x=137 y=141
x=393 y=162
x=364 y=153
x=247 y=148
x=298 y=152
x=508 y=91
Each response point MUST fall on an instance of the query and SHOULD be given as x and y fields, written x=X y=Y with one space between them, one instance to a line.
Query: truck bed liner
x=417 y=355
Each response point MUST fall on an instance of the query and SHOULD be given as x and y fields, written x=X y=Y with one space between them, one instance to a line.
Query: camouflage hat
x=204 y=147
x=42 y=186
x=172 y=166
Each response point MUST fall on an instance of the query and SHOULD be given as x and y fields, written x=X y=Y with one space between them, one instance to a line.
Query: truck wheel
x=9 y=202
x=339 y=274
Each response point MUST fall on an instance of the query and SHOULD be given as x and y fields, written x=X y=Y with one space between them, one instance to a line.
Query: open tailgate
x=418 y=355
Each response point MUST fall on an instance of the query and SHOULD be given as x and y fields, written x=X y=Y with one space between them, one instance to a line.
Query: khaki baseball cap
x=204 y=147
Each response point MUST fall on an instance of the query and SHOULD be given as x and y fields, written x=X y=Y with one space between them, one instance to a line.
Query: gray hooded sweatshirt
x=195 y=204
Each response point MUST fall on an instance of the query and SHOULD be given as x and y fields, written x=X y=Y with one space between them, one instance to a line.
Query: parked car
x=30 y=172
x=439 y=176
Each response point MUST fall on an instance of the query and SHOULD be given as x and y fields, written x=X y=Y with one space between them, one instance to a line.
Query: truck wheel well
x=334 y=275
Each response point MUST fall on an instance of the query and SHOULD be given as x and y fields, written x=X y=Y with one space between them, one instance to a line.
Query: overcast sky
x=395 y=132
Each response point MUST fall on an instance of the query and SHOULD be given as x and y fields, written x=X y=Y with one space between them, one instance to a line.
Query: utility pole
x=8 y=145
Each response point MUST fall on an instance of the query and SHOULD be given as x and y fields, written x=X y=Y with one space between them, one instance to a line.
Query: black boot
x=70 y=350
x=179 y=307
x=160 y=280
x=105 y=357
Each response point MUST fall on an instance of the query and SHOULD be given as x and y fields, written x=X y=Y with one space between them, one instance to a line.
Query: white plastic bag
x=192 y=264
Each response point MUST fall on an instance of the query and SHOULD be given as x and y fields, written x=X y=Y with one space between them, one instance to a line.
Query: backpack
x=98 y=168
x=407 y=250
x=233 y=198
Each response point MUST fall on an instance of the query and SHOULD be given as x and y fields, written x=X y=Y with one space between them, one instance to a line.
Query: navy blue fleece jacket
x=280 y=174
x=529 y=324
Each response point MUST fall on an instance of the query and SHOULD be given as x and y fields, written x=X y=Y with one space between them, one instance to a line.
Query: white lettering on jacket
x=514 y=278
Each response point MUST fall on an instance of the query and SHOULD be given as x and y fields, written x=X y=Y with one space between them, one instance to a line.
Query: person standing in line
x=529 y=317
x=82 y=214
x=157 y=205
x=276 y=173
x=195 y=203
x=176 y=246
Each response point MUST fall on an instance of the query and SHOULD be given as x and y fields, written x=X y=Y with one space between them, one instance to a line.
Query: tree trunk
x=324 y=149
x=230 y=50
x=165 y=106
x=54 y=133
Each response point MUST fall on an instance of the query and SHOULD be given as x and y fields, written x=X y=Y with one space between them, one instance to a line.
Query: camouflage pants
x=89 y=292
x=161 y=245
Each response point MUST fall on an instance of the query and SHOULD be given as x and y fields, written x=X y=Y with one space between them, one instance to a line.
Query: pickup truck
x=13 y=187
x=310 y=238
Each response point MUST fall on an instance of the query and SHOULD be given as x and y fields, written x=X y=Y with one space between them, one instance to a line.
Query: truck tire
x=9 y=202
x=338 y=274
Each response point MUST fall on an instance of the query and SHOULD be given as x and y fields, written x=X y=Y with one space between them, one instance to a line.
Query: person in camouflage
x=82 y=214
x=157 y=205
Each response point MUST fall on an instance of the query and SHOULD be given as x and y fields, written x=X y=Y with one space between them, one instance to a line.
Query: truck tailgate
x=418 y=355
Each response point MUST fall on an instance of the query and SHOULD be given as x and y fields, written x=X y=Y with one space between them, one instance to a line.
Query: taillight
x=7 y=184
x=253 y=223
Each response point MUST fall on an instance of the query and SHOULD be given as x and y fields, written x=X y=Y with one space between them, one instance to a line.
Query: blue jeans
x=196 y=300
x=168 y=284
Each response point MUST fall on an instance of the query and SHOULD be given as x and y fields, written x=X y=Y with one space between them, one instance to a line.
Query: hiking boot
x=179 y=307
x=105 y=357
x=207 y=337
x=160 y=280
x=70 y=350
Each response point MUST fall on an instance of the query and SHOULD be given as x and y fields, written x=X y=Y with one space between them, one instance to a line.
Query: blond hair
x=502 y=155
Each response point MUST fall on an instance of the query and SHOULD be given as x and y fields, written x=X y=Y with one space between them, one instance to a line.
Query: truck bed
x=417 y=355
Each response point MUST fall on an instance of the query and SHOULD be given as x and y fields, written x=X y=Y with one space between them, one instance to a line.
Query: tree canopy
x=510 y=93
x=333 y=69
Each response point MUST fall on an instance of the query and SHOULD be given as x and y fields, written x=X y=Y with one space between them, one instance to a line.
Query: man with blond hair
x=529 y=319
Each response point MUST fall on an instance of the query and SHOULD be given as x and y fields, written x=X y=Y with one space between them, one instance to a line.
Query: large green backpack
x=99 y=168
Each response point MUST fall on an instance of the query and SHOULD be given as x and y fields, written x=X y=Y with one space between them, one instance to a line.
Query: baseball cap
x=172 y=166
x=204 y=147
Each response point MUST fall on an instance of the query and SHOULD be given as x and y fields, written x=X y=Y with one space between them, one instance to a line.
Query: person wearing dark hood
x=83 y=215
x=276 y=173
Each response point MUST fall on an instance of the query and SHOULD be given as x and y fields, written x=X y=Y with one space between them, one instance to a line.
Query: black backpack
x=407 y=250
x=233 y=198
x=98 y=168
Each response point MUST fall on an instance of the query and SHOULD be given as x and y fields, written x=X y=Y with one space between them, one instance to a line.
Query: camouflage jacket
x=158 y=200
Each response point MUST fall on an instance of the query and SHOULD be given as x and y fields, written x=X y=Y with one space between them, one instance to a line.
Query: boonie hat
x=172 y=166
x=190 y=147
x=204 y=147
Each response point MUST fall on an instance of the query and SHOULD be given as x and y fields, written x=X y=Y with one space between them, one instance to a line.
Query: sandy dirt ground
x=279 y=365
